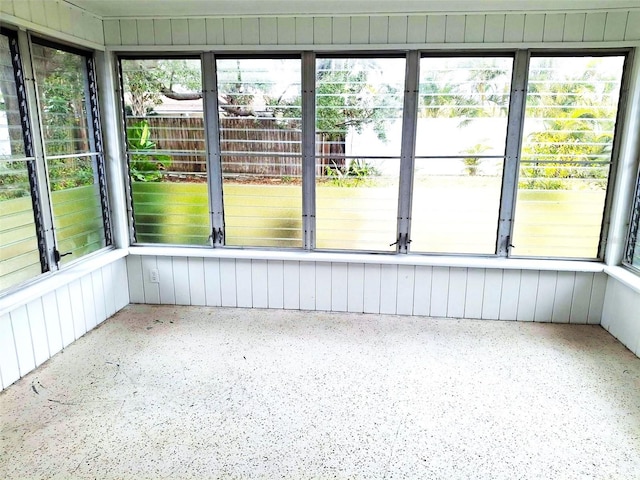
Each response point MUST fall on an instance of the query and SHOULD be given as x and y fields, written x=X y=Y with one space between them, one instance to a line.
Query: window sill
x=54 y=280
x=624 y=276
x=384 y=259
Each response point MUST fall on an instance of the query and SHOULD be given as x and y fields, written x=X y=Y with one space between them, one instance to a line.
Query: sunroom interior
x=425 y=160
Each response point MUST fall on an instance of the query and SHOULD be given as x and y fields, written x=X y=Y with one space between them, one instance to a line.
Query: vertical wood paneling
x=545 y=296
x=378 y=30
x=179 y=31
x=355 y=287
x=339 y=287
x=457 y=292
x=359 y=30
x=594 y=27
x=341 y=30
x=322 y=30
x=494 y=28
x=417 y=29
x=275 y=279
x=212 y=282
x=129 y=32
x=304 y=31
x=510 y=293
x=573 y=27
x=21 y=10
x=286 y=30
x=268 y=31
x=527 y=295
x=146 y=34
x=307 y=285
x=197 y=287
x=371 y=288
x=259 y=284
x=64 y=11
x=388 y=288
x=22 y=340
x=38 y=331
x=632 y=31
x=134 y=276
x=181 y=280
x=474 y=27
x=151 y=290
x=250 y=31
x=9 y=370
x=454 y=28
x=553 y=27
x=52 y=322
x=492 y=294
x=514 y=28
x=52 y=15
x=615 y=26
x=323 y=286
x=398 y=29
x=597 y=298
x=228 y=281
x=439 y=291
x=197 y=31
x=77 y=309
x=474 y=293
x=38 y=14
x=436 y=27
x=291 y=283
x=243 y=283
x=65 y=315
x=533 y=27
x=422 y=290
x=406 y=287
x=7 y=7
x=232 y=31
x=88 y=303
x=563 y=297
x=621 y=314
x=162 y=31
x=215 y=31
x=98 y=299
x=109 y=290
x=581 y=297
x=120 y=279
x=167 y=282
x=112 y=32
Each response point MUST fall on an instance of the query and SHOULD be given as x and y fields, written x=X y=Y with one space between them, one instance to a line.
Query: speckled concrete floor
x=185 y=392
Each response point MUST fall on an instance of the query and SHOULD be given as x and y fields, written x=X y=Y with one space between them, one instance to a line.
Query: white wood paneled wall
x=54 y=17
x=621 y=314
x=496 y=294
x=614 y=26
x=33 y=333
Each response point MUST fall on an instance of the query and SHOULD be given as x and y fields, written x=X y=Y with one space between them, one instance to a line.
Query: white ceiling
x=199 y=8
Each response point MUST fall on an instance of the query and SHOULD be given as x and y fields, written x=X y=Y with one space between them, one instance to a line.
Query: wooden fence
x=278 y=148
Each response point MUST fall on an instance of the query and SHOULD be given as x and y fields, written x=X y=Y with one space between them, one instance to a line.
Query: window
x=20 y=257
x=260 y=120
x=358 y=137
x=632 y=254
x=72 y=150
x=568 y=131
x=166 y=150
x=463 y=105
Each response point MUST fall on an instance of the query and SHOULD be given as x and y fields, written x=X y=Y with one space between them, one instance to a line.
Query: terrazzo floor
x=189 y=392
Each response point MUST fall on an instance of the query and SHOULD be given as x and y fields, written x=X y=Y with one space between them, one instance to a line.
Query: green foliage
x=357 y=174
x=471 y=164
x=145 y=166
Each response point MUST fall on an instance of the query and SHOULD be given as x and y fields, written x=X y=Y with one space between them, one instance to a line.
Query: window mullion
x=308 y=150
x=214 y=178
x=407 y=153
x=44 y=224
x=517 y=102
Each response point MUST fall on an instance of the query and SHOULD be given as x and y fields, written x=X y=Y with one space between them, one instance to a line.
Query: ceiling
x=199 y=8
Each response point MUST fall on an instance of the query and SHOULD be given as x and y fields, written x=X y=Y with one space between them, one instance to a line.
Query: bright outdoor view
x=19 y=257
x=463 y=105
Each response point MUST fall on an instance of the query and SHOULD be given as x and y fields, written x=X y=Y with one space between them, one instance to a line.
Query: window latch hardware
x=57 y=255
x=218 y=236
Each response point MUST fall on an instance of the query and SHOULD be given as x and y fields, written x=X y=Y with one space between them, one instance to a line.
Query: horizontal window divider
x=462 y=155
x=175 y=153
x=72 y=155
x=4 y=159
x=568 y=162
x=369 y=157
x=390 y=258
x=228 y=153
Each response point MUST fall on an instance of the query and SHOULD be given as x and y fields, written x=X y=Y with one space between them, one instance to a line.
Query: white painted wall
x=421 y=30
x=621 y=311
